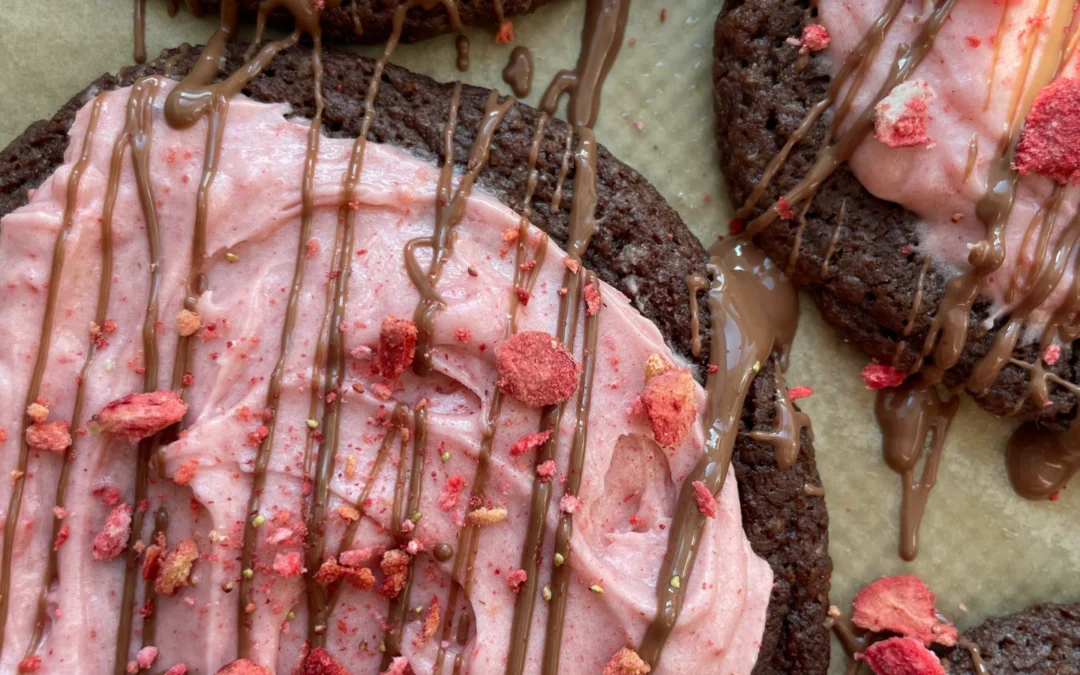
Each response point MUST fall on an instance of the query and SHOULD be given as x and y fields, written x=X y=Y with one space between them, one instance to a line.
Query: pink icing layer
x=628 y=493
x=933 y=181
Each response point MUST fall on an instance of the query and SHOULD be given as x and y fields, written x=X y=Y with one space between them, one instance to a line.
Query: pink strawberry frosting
x=627 y=496
x=971 y=108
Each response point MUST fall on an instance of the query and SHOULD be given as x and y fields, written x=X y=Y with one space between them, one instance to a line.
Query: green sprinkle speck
x=597 y=588
x=676 y=582
x=313 y=424
x=259 y=520
x=445 y=457
x=559 y=559
x=249 y=573
x=290 y=616
x=546 y=593
x=232 y=257
x=416 y=517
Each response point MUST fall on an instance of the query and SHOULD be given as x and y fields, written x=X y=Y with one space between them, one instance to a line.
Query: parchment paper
x=982 y=547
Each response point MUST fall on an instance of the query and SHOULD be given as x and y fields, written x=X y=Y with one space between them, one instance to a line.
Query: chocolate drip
x=449 y=209
x=468 y=537
x=909 y=416
x=976 y=656
x=161 y=528
x=753 y=309
x=462 y=46
x=834 y=238
x=786 y=436
x=139 y=116
x=104 y=285
x=695 y=283
x=564 y=168
x=853 y=639
x=1041 y=463
x=518 y=72
x=139 y=17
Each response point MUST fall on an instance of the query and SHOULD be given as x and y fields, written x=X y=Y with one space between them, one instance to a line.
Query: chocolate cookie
x=857 y=254
x=370 y=21
x=1042 y=639
x=641 y=246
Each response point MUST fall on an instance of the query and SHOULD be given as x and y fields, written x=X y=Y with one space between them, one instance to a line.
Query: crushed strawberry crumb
x=505 y=34
x=288 y=564
x=523 y=296
x=358 y=577
x=1051 y=354
x=546 y=471
x=670 y=406
x=451 y=490
x=902 y=117
x=54 y=437
x=528 y=442
x=178 y=669
x=795 y=393
x=397 y=346
x=592 y=299
x=395 y=568
x=113 y=538
x=880 y=376
x=570 y=504
x=61 y=536
x=626 y=662
x=901 y=656
x=430 y=625
x=706 y=502
x=243 y=667
x=146 y=657
x=815 y=37
x=138 y=416
x=188 y=323
x=535 y=368
x=1050 y=142
x=516 y=578
x=175 y=569
x=484 y=516
x=320 y=662
x=902 y=604
x=31 y=664
x=399 y=666
x=37 y=411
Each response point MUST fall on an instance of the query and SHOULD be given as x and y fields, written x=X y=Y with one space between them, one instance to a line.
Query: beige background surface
x=982 y=547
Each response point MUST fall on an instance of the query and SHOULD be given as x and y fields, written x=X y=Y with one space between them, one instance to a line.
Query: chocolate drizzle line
x=909 y=416
x=518 y=72
x=976 y=656
x=140 y=114
x=139 y=17
x=468 y=538
x=753 y=310
x=99 y=317
x=695 y=283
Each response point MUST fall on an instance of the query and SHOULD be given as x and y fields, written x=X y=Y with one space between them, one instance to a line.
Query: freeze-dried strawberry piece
x=37 y=411
x=358 y=556
x=397 y=346
x=535 y=368
x=546 y=471
x=31 y=664
x=1050 y=142
x=670 y=406
x=570 y=504
x=399 y=666
x=626 y=662
x=655 y=365
x=243 y=667
x=178 y=669
x=113 y=538
x=395 y=567
x=54 y=437
x=901 y=656
x=902 y=604
x=151 y=564
x=62 y=536
x=505 y=34
x=516 y=578
x=176 y=568
x=706 y=502
x=483 y=516
x=137 y=416
x=288 y=564
x=319 y=662
x=528 y=442
x=592 y=299
x=815 y=37
x=357 y=577
x=188 y=323
x=431 y=624
x=795 y=393
x=1051 y=354
x=902 y=117
x=451 y=490
x=881 y=376
x=146 y=657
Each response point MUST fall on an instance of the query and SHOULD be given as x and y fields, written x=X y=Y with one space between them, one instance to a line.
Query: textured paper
x=982 y=547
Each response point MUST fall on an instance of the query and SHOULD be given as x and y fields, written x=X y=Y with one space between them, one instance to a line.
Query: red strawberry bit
x=528 y=442
x=880 y=376
x=38 y=411
x=736 y=226
x=795 y=393
x=358 y=556
x=176 y=568
x=113 y=538
x=1051 y=354
x=516 y=578
x=570 y=504
x=62 y=536
x=522 y=296
x=973 y=40
x=451 y=490
x=243 y=667
x=357 y=577
x=572 y=265
x=146 y=657
x=902 y=604
x=288 y=564
x=902 y=117
x=546 y=471
x=395 y=567
x=706 y=502
x=1050 y=142
x=431 y=624
x=31 y=664
x=535 y=368
x=815 y=37
x=901 y=656
x=505 y=34
x=397 y=346
x=138 y=416
x=592 y=300
x=319 y=662
x=626 y=662
x=399 y=666
x=152 y=558
x=670 y=406
x=54 y=437
x=185 y=472
x=178 y=669
x=783 y=208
